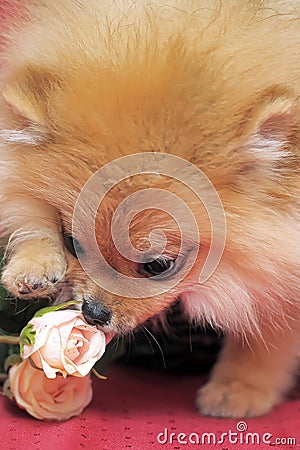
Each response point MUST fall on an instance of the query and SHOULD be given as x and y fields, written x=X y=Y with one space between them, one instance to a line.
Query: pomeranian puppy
x=193 y=84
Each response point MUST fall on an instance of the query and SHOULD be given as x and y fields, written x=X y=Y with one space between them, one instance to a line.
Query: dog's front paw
x=34 y=275
x=233 y=399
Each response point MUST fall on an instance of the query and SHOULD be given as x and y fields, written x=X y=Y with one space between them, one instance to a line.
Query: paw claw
x=25 y=277
x=35 y=286
x=24 y=291
x=54 y=280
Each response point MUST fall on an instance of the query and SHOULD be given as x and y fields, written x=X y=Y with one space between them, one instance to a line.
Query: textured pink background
x=129 y=410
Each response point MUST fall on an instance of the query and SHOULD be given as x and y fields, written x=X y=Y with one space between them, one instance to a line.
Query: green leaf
x=43 y=311
x=11 y=360
x=27 y=336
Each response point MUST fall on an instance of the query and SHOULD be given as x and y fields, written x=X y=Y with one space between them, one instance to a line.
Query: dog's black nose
x=95 y=313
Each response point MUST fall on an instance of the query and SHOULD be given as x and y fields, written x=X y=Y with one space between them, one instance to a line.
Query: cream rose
x=64 y=343
x=45 y=399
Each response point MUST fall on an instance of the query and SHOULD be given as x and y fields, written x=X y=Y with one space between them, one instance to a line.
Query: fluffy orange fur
x=216 y=83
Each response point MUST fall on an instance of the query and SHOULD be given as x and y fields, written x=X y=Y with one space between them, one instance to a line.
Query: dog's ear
x=272 y=123
x=268 y=135
x=29 y=98
x=273 y=116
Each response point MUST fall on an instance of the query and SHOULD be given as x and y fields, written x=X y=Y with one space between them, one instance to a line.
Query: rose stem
x=98 y=375
x=12 y=340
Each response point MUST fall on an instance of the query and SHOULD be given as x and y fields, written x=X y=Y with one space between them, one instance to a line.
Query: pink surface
x=131 y=408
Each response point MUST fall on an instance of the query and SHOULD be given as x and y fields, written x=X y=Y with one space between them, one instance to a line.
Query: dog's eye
x=72 y=245
x=158 y=266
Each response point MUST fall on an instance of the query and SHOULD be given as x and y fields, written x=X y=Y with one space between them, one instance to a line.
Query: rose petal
x=55 y=399
x=51 y=350
x=65 y=344
x=42 y=325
